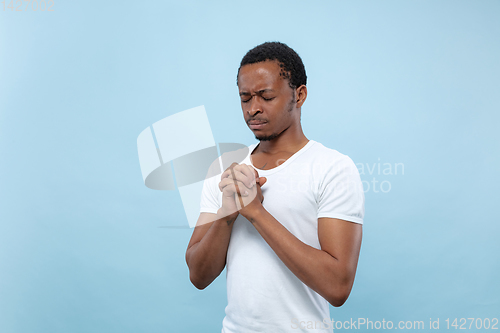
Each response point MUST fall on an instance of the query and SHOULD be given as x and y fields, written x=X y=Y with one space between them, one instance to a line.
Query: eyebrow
x=260 y=92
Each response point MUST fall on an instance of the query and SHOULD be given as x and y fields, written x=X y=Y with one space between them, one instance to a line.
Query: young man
x=287 y=221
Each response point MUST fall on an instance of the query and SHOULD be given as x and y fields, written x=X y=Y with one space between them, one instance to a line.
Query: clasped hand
x=241 y=190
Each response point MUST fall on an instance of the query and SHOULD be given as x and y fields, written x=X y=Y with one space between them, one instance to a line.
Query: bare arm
x=207 y=249
x=329 y=271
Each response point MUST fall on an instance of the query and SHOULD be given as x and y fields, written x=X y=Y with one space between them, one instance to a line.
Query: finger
x=254 y=171
x=238 y=175
x=248 y=172
x=241 y=192
x=241 y=189
x=231 y=186
x=227 y=172
x=232 y=189
x=261 y=181
x=229 y=191
x=251 y=170
x=224 y=183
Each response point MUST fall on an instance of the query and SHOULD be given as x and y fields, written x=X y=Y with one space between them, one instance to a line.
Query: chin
x=266 y=137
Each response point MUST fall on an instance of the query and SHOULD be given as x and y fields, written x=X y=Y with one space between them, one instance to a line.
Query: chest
x=267 y=161
x=291 y=198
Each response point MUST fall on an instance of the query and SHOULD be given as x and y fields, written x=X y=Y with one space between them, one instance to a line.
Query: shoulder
x=328 y=157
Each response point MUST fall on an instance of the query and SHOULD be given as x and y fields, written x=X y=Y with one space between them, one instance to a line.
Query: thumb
x=262 y=180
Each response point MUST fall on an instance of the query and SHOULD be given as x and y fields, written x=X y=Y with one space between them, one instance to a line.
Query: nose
x=254 y=106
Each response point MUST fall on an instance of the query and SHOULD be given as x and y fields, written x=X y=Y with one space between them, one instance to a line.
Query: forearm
x=319 y=270
x=206 y=259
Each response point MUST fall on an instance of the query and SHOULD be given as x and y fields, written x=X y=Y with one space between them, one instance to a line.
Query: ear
x=301 y=95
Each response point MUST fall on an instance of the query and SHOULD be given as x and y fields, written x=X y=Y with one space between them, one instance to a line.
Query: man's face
x=267 y=101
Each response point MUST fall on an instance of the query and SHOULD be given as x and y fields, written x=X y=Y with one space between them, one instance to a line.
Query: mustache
x=257 y=119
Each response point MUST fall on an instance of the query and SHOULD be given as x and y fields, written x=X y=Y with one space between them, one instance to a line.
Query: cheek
x=244 y=108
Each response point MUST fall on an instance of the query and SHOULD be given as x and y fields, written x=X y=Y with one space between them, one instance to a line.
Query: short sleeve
x=209 y=202
x=341 y=193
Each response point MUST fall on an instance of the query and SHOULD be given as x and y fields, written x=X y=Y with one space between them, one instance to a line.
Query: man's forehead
x=261 y=67
x=260 y=73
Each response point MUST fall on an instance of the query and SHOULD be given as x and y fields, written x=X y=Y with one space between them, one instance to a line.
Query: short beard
x=268 y=137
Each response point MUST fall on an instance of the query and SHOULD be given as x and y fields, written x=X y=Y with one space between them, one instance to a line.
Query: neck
x=290 y=140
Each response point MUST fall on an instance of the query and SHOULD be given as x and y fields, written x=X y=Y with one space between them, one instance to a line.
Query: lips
x=256 y=124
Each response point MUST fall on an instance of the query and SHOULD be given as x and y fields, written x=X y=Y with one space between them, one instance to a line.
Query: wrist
x=254 y=213
x=226 y=217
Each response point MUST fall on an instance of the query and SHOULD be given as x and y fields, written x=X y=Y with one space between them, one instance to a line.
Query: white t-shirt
x=263 y=294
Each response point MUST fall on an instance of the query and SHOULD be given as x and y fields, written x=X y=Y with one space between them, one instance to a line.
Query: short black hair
x=291 y=65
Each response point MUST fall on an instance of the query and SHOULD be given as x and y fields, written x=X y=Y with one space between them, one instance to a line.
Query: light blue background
x=82 y=248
